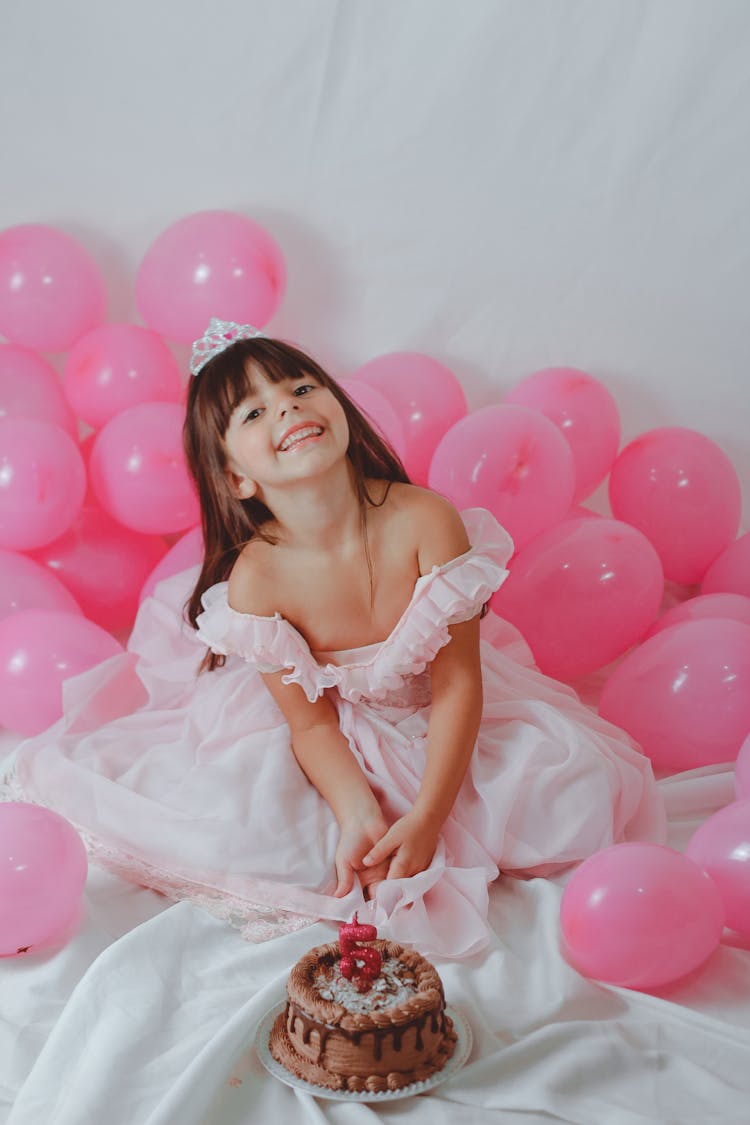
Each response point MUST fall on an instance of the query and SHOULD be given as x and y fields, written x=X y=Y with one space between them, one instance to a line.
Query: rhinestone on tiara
x=219 y=335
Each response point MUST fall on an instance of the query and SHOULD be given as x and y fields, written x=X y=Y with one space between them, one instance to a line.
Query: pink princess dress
x=187 y=783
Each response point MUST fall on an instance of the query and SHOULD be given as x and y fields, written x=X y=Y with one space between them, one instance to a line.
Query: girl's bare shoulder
x=251 y=580
x=432 y=521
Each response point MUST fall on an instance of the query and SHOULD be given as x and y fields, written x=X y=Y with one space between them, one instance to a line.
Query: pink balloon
x=186 y=552
x=138 y=470
x=721 y=846
x=30 y=388
x=681 y=490
x=26 y=584
x=378 y=411
x=39 y=649
x=585 y=413
x=733 y=607
x=42 y=875
x=116 y=366
x=42 y=482
x=510 y=460
x=684 y=694
x=211 y=263
x=730 y=572
x=426 y=396
x=582 y=593
x=639 y=916
x=104 y=565
x=742 y=770
x=51 y=289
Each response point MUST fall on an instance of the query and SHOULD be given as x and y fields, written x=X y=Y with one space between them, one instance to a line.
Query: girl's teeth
x=300 y=435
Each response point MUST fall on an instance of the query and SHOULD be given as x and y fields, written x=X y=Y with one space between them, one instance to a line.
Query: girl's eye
x=304 y=388
x=252 y=414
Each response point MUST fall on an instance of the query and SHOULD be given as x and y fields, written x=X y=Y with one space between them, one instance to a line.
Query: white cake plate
x=460 y=1054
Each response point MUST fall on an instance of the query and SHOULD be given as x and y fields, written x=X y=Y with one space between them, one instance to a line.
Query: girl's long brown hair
x=213 y=395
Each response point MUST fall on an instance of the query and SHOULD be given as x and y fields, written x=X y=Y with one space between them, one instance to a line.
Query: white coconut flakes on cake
x=388 y=988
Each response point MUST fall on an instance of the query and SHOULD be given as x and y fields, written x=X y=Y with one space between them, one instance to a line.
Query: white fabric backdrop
x=503 y=184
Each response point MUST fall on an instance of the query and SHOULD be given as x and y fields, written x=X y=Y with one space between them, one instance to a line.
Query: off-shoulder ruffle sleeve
x=449 y=594
x=269 y=643
x=453 y=592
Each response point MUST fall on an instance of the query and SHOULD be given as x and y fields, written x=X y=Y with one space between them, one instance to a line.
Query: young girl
x=329 y=733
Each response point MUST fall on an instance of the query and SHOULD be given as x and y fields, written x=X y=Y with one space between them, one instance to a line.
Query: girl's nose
x=287 y=402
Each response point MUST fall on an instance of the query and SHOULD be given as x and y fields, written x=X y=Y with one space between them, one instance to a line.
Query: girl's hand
x=356 y=839
x=407 y=847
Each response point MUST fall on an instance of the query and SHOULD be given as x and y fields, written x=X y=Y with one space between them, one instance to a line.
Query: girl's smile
x=299 y=434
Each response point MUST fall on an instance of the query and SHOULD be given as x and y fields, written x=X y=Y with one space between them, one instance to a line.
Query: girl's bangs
x=232 y=381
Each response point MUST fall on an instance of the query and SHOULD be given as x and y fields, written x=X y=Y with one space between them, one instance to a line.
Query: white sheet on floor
x=148 y=1016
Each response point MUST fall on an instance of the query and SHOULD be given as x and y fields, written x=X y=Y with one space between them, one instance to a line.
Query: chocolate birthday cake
x=380 y=1024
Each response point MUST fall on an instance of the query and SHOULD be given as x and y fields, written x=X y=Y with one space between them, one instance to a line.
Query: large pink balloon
x=138 y=470
x=733 y=607
x=116 y=366
x=42 y=875
x=742 y=770
x=39 y=649
x=730 y=572
x=639 y=916
x=30 y=388
x=510 y=460
x=684 y=694
x=582 y=593
x=26 y=584
x=51 y=289
x=721 y=846
x=211 y=263
x=104 y=565
x=186 y=552
x=42 y=482
x=682 y=491
x=379 y=412
x=585 y=413
x=426 y=396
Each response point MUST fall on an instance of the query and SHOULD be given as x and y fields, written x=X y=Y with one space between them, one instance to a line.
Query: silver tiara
x=219 y=335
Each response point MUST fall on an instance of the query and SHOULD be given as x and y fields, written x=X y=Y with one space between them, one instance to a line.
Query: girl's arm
x=327 y=760
x=456 y=679
x=320 y=748
x=455 y=714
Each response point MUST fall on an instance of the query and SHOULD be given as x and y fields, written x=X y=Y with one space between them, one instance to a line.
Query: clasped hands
x=373 y=851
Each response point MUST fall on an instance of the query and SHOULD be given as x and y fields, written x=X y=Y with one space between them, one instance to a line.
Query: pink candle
x=358 y=963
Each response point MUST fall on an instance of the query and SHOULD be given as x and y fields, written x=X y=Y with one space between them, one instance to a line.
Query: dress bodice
x=446 y=595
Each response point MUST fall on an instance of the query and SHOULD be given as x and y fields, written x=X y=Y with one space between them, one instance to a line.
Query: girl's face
x=283 y=433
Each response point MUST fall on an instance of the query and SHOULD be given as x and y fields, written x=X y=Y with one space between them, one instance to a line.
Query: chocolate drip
x=379 y=1034
x=293 y=1013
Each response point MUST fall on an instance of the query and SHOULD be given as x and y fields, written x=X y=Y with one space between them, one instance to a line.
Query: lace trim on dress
x=256 y=922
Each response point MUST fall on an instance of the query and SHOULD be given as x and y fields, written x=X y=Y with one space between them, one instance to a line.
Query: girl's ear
x=241 y=487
